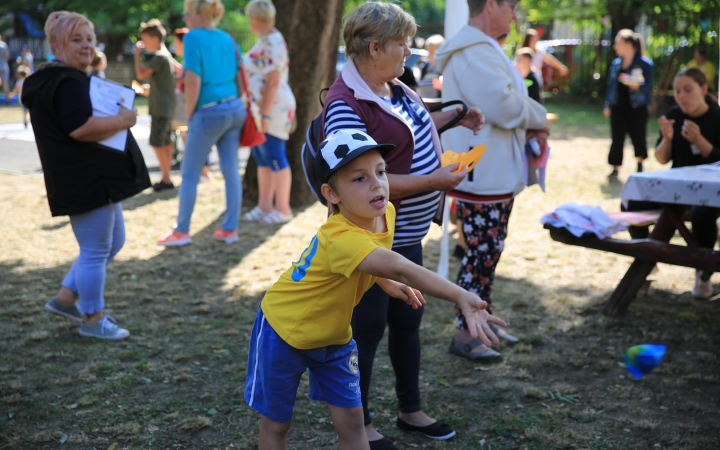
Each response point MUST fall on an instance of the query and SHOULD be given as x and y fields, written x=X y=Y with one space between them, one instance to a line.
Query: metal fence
x=587 y=61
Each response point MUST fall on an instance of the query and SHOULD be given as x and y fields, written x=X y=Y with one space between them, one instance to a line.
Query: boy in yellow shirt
x=701 y=62
x=303 y=322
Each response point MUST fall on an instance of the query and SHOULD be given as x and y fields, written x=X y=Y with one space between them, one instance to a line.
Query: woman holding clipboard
x=84 y=179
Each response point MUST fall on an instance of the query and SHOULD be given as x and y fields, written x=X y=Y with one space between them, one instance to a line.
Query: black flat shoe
x=459 y=252
x=161 y=186
x=438 y=430
x=382 y=444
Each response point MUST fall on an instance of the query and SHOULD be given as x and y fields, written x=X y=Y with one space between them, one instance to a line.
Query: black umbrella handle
x=455 y=119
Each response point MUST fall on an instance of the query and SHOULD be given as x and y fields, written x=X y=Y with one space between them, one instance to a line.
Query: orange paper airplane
x=467 y=159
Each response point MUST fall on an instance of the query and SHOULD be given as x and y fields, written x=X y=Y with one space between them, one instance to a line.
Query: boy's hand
x=139 y=47
x=477 y=319
x=412 y=297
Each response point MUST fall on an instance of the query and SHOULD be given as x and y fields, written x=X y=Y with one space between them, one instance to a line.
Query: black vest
x=79 y=176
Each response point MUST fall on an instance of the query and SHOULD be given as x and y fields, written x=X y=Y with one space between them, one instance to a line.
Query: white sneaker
x=105 y=328
x=702 y=289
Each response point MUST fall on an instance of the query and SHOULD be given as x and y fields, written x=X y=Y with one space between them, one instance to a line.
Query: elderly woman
x=367 y=96
x=215 y=116
x=267 y=66
x=84 y=179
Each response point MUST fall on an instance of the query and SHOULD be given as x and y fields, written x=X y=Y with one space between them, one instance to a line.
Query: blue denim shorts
x=271 y=154
x=274 y=370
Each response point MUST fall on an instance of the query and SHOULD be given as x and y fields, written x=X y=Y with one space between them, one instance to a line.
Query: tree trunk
x=624 y=14
x=312 y=30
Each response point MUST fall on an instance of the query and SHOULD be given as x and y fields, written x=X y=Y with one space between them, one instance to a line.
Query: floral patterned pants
x=485 y=228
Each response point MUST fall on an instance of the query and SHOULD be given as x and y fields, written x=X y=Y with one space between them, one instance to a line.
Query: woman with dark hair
x=690 y=136
x=541 y=56
x=628 y=97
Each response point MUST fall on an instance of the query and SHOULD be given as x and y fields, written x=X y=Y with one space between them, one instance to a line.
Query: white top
x=268 y=54
x=537 y=60
x=478 y=72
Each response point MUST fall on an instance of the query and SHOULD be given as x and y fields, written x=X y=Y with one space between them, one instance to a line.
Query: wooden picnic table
x=676 y=190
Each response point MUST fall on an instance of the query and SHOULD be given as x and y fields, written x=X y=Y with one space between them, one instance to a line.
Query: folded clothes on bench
x=581 y=219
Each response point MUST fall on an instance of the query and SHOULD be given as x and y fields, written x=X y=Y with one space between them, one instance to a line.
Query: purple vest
x=383 y=127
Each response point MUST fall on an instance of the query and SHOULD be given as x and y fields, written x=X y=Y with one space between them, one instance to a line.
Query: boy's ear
x=330 y=195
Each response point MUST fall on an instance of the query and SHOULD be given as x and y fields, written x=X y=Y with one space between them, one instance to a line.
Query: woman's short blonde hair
x=376 y=21
x=61 y=25
x=436 y=40
x=264 y=10
x=212 y=9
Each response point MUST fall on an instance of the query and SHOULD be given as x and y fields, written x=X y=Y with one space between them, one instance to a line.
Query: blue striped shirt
x=416 y=211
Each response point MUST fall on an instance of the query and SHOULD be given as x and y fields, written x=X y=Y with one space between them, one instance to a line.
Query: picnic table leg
x=619 y=301
x=626 y=291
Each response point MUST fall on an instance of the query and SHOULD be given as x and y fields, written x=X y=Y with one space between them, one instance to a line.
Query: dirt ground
x=178 y=381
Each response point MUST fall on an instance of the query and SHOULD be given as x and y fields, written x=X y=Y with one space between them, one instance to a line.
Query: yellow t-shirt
x=311 y=305
x=708 y=69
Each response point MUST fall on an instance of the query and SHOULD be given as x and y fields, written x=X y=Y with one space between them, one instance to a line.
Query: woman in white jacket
x=477 y=71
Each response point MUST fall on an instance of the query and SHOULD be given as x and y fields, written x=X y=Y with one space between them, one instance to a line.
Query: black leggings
x=625 y=119
x=368 y=323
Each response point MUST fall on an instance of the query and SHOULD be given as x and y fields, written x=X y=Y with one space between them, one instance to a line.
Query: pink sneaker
x=175 y=239
x=227 y=237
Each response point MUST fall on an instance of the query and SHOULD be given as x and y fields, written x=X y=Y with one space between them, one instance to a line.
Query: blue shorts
x=274 y=370
x=271 y=154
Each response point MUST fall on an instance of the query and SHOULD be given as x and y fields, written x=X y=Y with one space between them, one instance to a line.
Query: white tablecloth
x=698 y=185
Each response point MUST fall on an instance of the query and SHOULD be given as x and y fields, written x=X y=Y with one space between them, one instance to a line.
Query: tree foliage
x=667 y=17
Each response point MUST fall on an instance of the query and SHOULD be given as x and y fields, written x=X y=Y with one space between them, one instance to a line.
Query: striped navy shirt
x=416 y=211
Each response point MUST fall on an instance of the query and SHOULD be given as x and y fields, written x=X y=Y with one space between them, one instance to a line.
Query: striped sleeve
x=341 y=116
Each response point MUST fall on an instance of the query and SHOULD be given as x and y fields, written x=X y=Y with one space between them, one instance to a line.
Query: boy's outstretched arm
x=411 y=296
x=385 y=263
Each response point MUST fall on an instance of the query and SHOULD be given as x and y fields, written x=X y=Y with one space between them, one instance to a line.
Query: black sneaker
x=161 y=186
x=640 y=167
x=613 y=176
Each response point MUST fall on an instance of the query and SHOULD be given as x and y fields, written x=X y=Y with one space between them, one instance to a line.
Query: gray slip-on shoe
x=466 y=350
x=69 y=312
x=503 y=335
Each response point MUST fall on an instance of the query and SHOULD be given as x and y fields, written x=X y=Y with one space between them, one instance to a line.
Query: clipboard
x=106 y=97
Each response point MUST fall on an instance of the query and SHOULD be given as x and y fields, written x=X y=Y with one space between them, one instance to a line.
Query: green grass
x=190 y=311
x=587 y=112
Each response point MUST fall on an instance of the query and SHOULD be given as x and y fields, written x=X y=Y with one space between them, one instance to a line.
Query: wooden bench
x=647 y=252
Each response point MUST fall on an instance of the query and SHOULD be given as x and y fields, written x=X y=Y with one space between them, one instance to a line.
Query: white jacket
x=476 y=71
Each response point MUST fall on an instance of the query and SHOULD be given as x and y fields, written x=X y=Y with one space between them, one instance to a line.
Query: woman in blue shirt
x=628 y=97
x=215 y=115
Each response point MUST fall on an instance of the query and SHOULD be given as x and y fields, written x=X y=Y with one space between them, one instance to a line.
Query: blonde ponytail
x=212 y=9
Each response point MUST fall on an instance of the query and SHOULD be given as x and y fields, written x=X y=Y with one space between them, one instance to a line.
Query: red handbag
x=251 y=135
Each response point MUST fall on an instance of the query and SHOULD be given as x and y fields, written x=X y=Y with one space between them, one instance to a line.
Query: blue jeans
x=218 y=125
x=100 y=234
